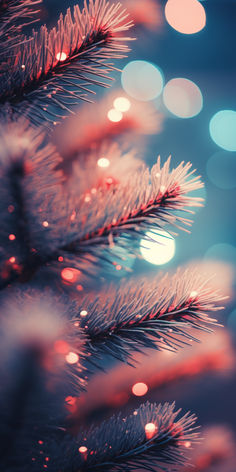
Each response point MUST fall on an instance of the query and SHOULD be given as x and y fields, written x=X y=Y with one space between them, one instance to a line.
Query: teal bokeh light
x=221 y=169
x=223 y=129
x=142 y=80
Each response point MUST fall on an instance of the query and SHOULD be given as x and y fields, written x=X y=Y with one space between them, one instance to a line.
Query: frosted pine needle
x=53 y=69
x=148 y=314
x=120 y=443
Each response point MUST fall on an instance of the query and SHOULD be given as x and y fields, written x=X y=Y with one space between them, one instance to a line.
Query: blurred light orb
x=221 y=169
x=103 y=162
x=61 y=56
x=150 y=430
x=72 y=358
x=222 y=252
x=114 y=115
x=69 y=274
x=185 y=16
x=183 y=98
x=223 y=129
x=160 y=250
x=142 y=80
x=122 y=104
x=139 y=389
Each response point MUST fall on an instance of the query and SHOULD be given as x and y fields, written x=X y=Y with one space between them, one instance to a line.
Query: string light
x=45 y=224
x=72 y=358
x=150 y=430
x=11 y=237
x=61 y=56
x=83 y=313
x=83 y=451
x=69 y=274
x=103 y=162
x=139 y=389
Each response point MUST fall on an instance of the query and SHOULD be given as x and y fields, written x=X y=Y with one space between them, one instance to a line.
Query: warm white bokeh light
x=183 y=98
x=61 y=56
x=150 y=430
x=122 y=104
x=72 y=358
x=159 y=249
x=223 y=129
x=185 y=16
x=103 y=162
x=142 y=80
x=114 y=115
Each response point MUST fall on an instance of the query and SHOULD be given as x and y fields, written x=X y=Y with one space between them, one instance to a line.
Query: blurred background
x=183 y=66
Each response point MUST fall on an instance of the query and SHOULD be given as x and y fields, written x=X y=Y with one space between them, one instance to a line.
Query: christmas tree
x=64 y=221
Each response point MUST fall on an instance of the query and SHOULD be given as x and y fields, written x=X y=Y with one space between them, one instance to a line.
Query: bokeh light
x=185 y=16
x=223 y=129
x=183 y=98
x=150 y=430
x=142 y=80
x=72 y=358
x=103 y=162
x=222 y=252
x=122 y=104
x=159 y=249
x=139 y=389
x=221 y=169
x=114 y=115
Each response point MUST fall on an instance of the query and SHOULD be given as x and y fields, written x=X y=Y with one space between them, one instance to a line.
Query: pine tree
x=60 y=317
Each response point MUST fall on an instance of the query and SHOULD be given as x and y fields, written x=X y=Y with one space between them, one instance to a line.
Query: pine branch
x=123 y=443
x=28 y=181
x=53 y=69
x=142 y=314
x=43 y=224
x=14 y=15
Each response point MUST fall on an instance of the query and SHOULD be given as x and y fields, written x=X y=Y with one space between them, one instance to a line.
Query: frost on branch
x=45 y=224
x=152 y=436
x=147 y=313
x=14 y=15
x=53 y=69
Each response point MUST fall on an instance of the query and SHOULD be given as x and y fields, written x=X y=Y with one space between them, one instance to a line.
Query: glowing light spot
x=83 y=313
x=61 y=56
x=160 y=249
x=118 y=267
x=80 y=288
x=12 y=260
x=11 y=237
x=142 y=80
x=122 y=104
x=70 y=400
x=69 y=274
x=45 y=224
x=150 y=430
x=221 y=169
x=103 y=162
x=114 y=115
x=61 y=347
x=223 y=129
x=72 y=358
x=183 y=98
x=139 y=389
x=187 y=444
x=11 y=208
x=23 y=66
x=40 y=441
x=60 y=259
x=193 y=294
x=185 y=16
x=83 y=449
x=87 y=198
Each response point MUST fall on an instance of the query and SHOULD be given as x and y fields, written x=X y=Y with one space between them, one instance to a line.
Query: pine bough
x=51 y=336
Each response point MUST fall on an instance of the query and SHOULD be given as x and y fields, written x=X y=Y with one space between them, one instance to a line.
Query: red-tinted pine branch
x=152 y=436
x=147 y=313
x=53 y=69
